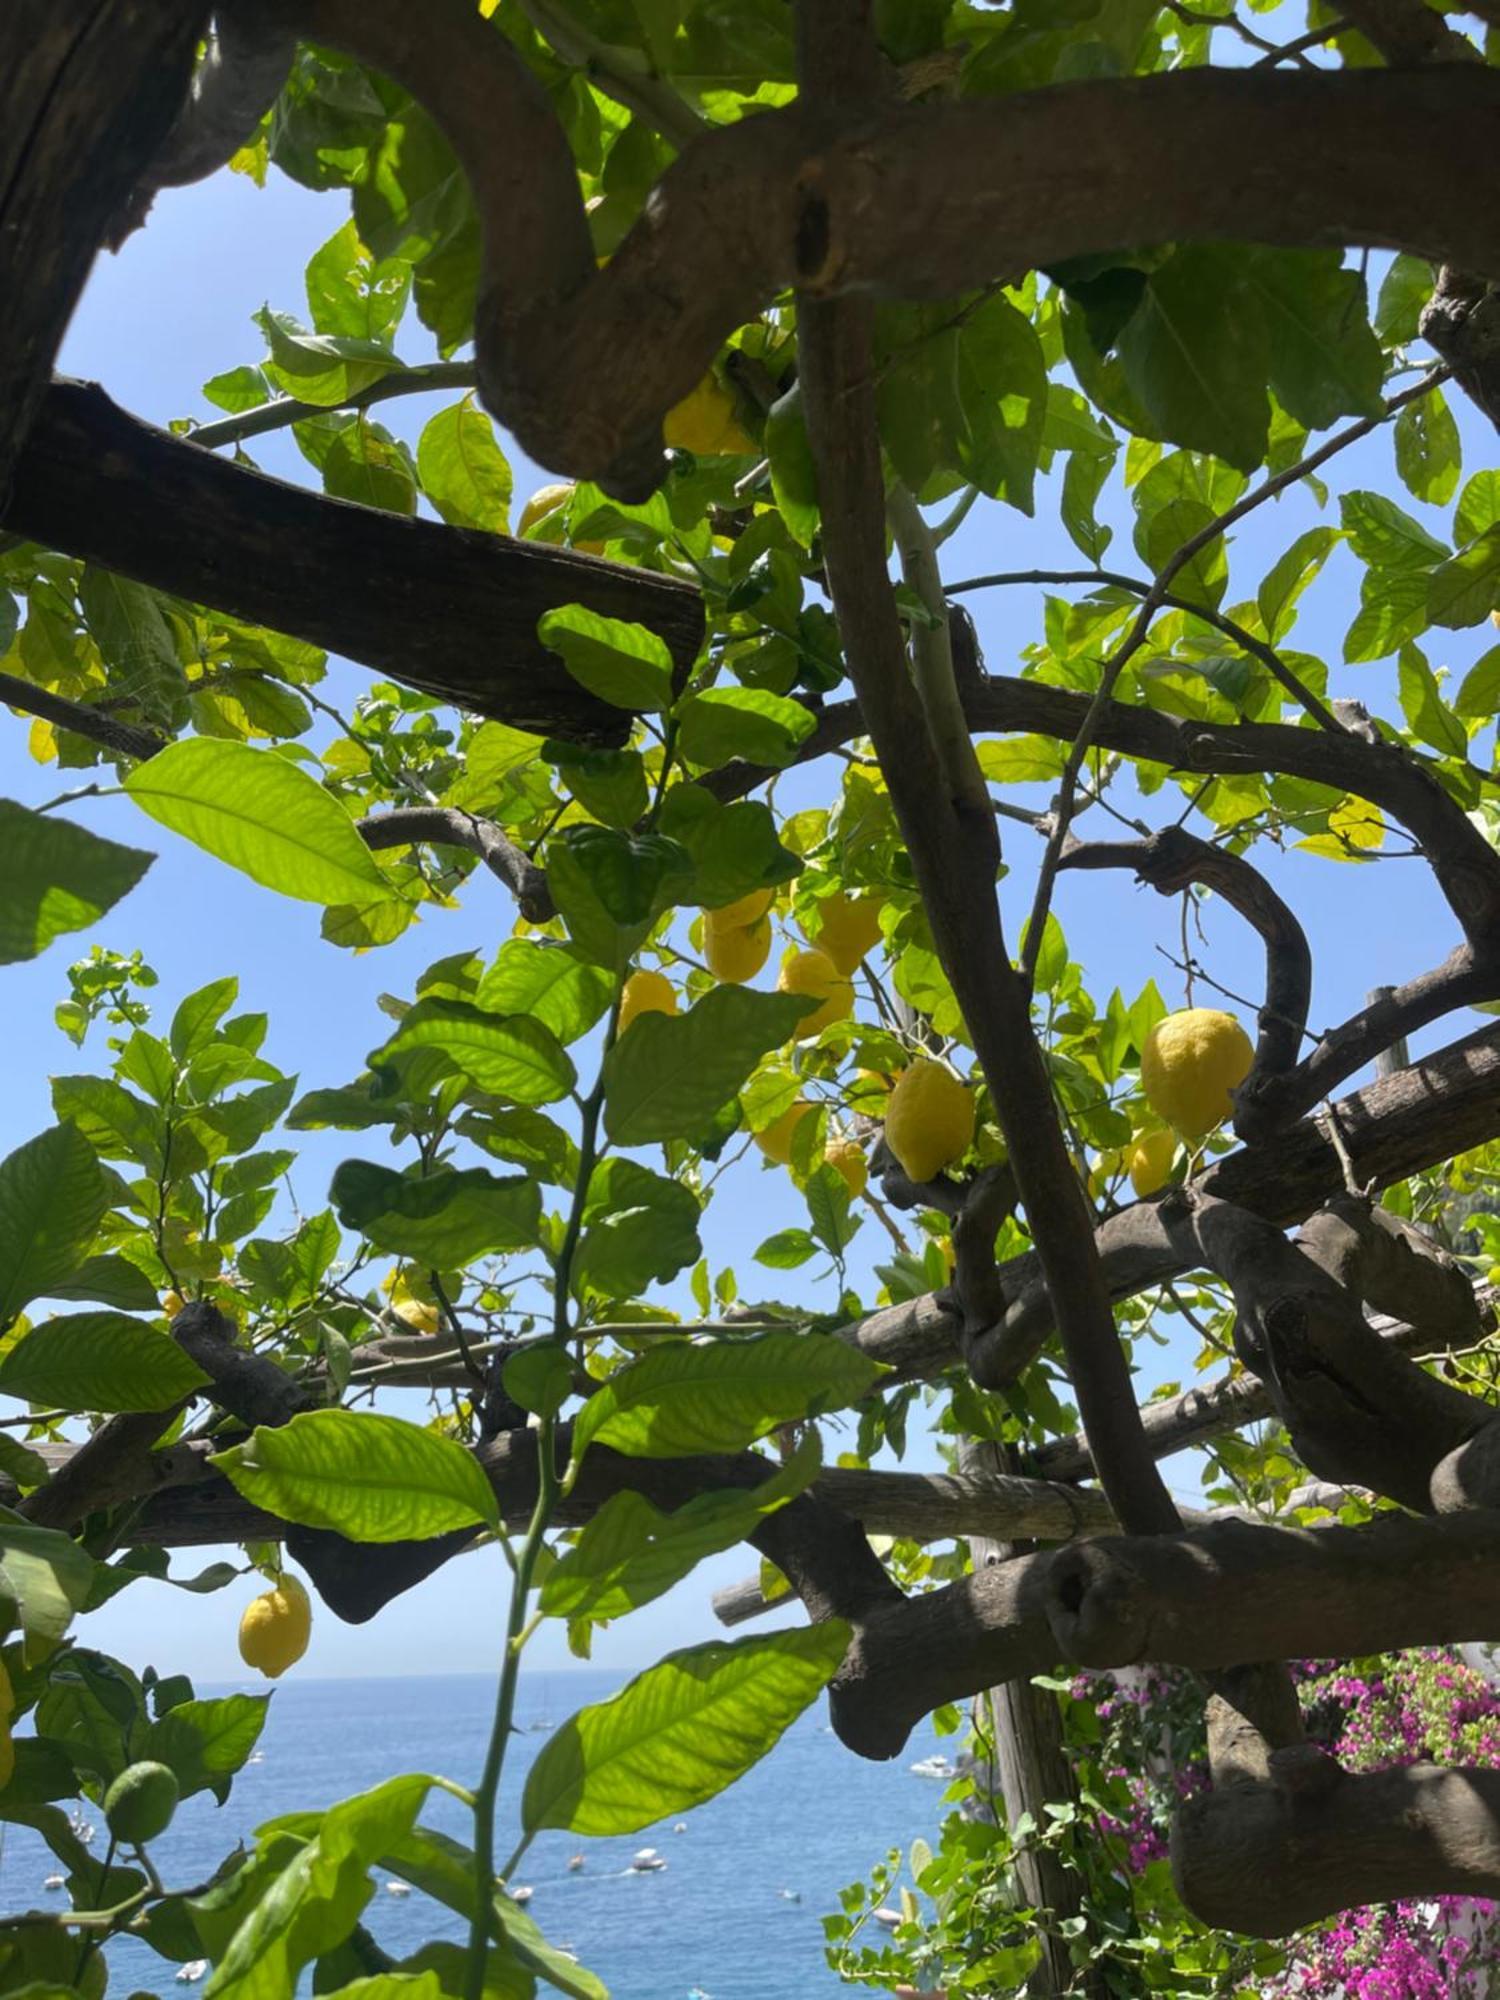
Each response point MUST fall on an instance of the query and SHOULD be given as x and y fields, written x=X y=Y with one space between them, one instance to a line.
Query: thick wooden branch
x=1170 y=860
x=98 y=483
x=860 y=195
x=1207 y=1598
x=88 y=91
x=1267 y=1859
x=447 y=826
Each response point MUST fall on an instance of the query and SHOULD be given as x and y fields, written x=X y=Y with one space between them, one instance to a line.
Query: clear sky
x=157 y=321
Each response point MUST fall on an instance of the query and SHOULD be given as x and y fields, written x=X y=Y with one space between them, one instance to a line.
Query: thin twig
x=276 y=415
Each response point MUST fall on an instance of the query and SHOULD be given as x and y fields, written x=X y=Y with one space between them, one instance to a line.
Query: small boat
x=887 y=1916
x=398 y=1888
x=192 y=1972
x=522 y=1893
x=646 y=1861
x=697 y=1993
x=575 y=1862
x=80 y=1828
x=55 y=1882
x=790 y=1895
x=934 y=1767
x=681 y=1826
x=256 y=1757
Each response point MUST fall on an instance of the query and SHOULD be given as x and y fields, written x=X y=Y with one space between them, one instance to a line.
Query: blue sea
x=808 y=1819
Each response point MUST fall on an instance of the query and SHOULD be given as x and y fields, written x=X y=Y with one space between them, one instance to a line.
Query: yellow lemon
x=814 y=973
x=848 y=1161
x=736 y=952
x=848 y=930
x=172 y=1303
x=548 y=500
x=929 y=1121
x=1104 y=1170
x=1190 y=1064
x=275 y=1628
x=646 y=993
x=739 y=915
x=706 y=423
x=1148 y=1160
x=418 y=1315
x=775 y=1140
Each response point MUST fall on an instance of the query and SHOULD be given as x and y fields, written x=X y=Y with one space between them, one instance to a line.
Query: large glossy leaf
x=204 y=1742
x=734 y=848
x=263 y=815
x=672 y=1072
x=441 y=1868
x=446 y=1220
x=682 y=1398
x=1325 y=362
x=52 y=1196
x=509 y=1055
x=45 y=1575
x=464 y=472
x=680 y=1732
x=611 y=886
x=1196 y=353
x=99 y=1361
x=1466 y=588
x=725 y=723
x=57 y=877
x=631 y=1551
x=373 y=1478
x=639 y=1229
x=314 y=1902
x=619 y=662
x=546 y=981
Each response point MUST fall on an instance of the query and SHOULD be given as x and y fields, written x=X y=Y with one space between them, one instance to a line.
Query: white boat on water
x=575 y=1862
x=55 y=1882
x=887 y=1916
x=934 y=1767
x=522 y=1893
x=646 y=1861
x=398 y=1888
x=192 y=1972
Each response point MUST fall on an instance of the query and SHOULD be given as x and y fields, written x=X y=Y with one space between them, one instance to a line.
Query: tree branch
x=283 y=411
x=121 y=739
x=448 y=826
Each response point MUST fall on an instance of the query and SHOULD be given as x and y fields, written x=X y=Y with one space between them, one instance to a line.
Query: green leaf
x=463 y=471
x=539 y=1378
x=546 y=981
x=205 y=1742
x=327 y=369
x=53 y=1195
x=828 y=1197
x=127 y=623
x=1325 y=363
x=1478 y=506
x=726 y=723
x=1478 y=698
x=261 y=814
x=681 y=1399
x=1289 y=576
x=680 y=1732
x=1020 y=760
x=372 y=1478
x=610 y=887
x=444 y=1220
x=622 y=663
x=639 y=1229
x=1083 y=480
x=672 y=1072
x=734 y=848
x=1196 y=353
x=1392 y=609
x=108 y=1281
x=794 y=483
x=1382 y=534
x=1429 y=454
x=1405 y=289
x=392 y=1986
x=57 y=877
x=99 y=1361
x=508 y=1055
x=1466 y=588
x=609 y=784
x=198 y=1016
x=45 y=1574
x=787 y=1250
x=362 y=462
x=631 y=1552
x=1422 y=704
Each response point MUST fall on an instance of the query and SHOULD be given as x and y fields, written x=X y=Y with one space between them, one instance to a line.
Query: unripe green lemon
x=275 y=1628
x=848 y=930
x=735 y=952
x=1189 y=1065
x=814 y=973
x=1148 y=1160
x=646 y=993
x=929 y=1119
x=140 y=1803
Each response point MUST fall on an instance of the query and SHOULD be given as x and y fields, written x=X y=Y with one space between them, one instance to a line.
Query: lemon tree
x=761 y=1119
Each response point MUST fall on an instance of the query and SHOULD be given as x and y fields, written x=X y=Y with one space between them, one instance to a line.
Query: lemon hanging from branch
x=929 y=1120
x=275 y=1628
x=1190 y=1064
x=646 y=993
x=814 y=973
x=1148 y=1160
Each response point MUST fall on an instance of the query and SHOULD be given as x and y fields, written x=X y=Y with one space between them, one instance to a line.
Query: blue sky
x=173 y=309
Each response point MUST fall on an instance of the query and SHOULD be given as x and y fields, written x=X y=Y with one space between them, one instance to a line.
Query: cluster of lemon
x=1191 y=1064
